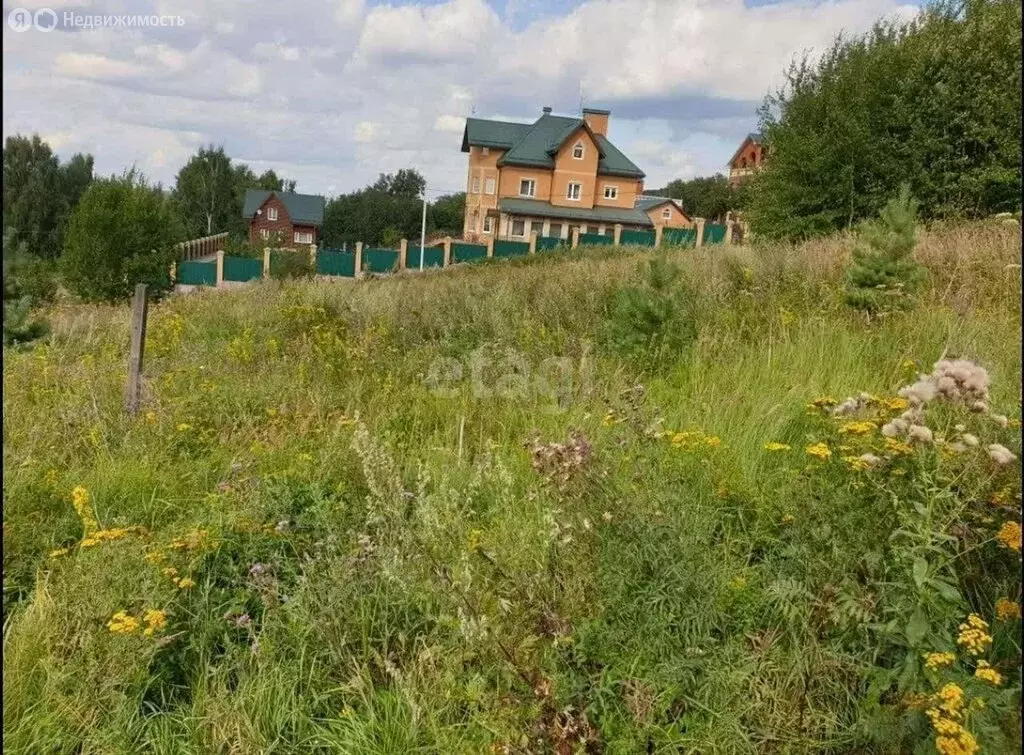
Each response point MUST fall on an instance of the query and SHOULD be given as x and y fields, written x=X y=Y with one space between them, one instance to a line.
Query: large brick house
x=283 y=218
x=747 y=160
x=553 y=175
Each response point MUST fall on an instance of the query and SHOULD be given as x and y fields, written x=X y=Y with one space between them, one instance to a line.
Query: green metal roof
x=305 y=209
x=534 y=145
x=613 y=162
x=498 y=134
x=648 y=202
x=537 y=208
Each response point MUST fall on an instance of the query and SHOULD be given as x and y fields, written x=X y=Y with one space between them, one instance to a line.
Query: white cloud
x=333 y=92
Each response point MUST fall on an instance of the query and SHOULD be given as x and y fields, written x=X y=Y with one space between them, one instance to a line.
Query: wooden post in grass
x=266 y=262
x=312 y=257
x=533 y=242
x=658 y=231
x=403 y=253
x=220 y=267
x=359 y=259
x=447 y=251
x=575 y=236
x=174 y=274
x=618 y=233
x=700 y=231
x=490 y=246
x=138 y=342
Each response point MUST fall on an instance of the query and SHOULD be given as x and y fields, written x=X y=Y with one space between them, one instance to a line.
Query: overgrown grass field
x=567 y=504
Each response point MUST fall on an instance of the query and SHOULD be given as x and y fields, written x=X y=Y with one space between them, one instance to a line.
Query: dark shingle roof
x=537 y=208
x=534 y=145
x=302 y=208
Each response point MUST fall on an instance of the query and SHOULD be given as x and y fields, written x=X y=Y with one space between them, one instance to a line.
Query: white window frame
x=611 y=192
x=271 y=213
x=569 y=191
x=582 y=151
x=667 y=213
x=264 y=233
x=302 y=237
x=485 y=150
x=489 y=186
x=512 y=229
x=531 y=187
x=488 y=224
x=474 y=185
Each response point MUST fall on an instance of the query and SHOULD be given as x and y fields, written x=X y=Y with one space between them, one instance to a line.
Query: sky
x=332 y=93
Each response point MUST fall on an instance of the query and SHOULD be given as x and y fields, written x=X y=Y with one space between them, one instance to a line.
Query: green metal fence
x=679 y=236
x=636 y=238
x=595 y=239
x=547 y=243
x=242 y=269
x=197 y=273
x=433 y=256
x=714 y=233
x=336 y=262
x=504 y=248
x=468 y=252
x=380 y=260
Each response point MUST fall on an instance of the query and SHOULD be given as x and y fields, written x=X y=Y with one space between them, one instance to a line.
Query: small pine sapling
x=884 y=275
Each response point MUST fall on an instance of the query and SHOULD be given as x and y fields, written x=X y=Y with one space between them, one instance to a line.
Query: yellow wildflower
x=150 y=418
x=951 y=700
x=1007 y=610
x=714 y=441
x=122 y=623
x=155 y=621
x=819 y=451
x=823 y=401
x=786 y=318
x=857 y=463
x=738 y=582
x=864 y=427
x=88 y=542
x=898 y=447
x=155 y=557
x=83 y=507
x=171 y=572
x=935 y=661
x=988 y=674
x=788 y=519
x=59 y=552
x=895 y=404
x=186 y=582
x=184 y=427
x=773 y=446
x=474 y=540
x=50 y=478
x=1009 y=536
x=973 y=635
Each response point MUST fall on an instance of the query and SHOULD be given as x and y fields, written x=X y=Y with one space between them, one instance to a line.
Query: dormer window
x=577 y=151
x=271 y=213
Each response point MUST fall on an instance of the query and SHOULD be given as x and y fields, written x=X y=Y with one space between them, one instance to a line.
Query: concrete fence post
x=174 y=273
x=312 y=257
x=220 y=267
x=575 y=237
x=266 y=262
x=359 y=259
x=658 y=233
x=533 y=242
x=447 y=251
x=618 y=233
x=403 y=253
x=490 y=246
x=700 y=231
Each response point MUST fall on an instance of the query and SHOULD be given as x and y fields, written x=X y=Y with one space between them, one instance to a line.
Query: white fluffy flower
x=969 y=440
x=1001 y=454
x=920 y=433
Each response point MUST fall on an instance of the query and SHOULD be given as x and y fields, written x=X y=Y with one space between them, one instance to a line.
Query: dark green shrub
x=122 y=233
x=291 y=264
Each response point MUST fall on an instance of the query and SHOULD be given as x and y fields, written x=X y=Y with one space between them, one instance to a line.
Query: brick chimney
x=597 y=120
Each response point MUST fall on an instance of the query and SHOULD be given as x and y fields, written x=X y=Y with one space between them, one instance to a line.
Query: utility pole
x=423 y=228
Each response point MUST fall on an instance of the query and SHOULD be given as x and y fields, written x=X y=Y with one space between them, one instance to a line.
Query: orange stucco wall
x=568 y=169
x=677 y=219
x=627 y=191
x=508 y=185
